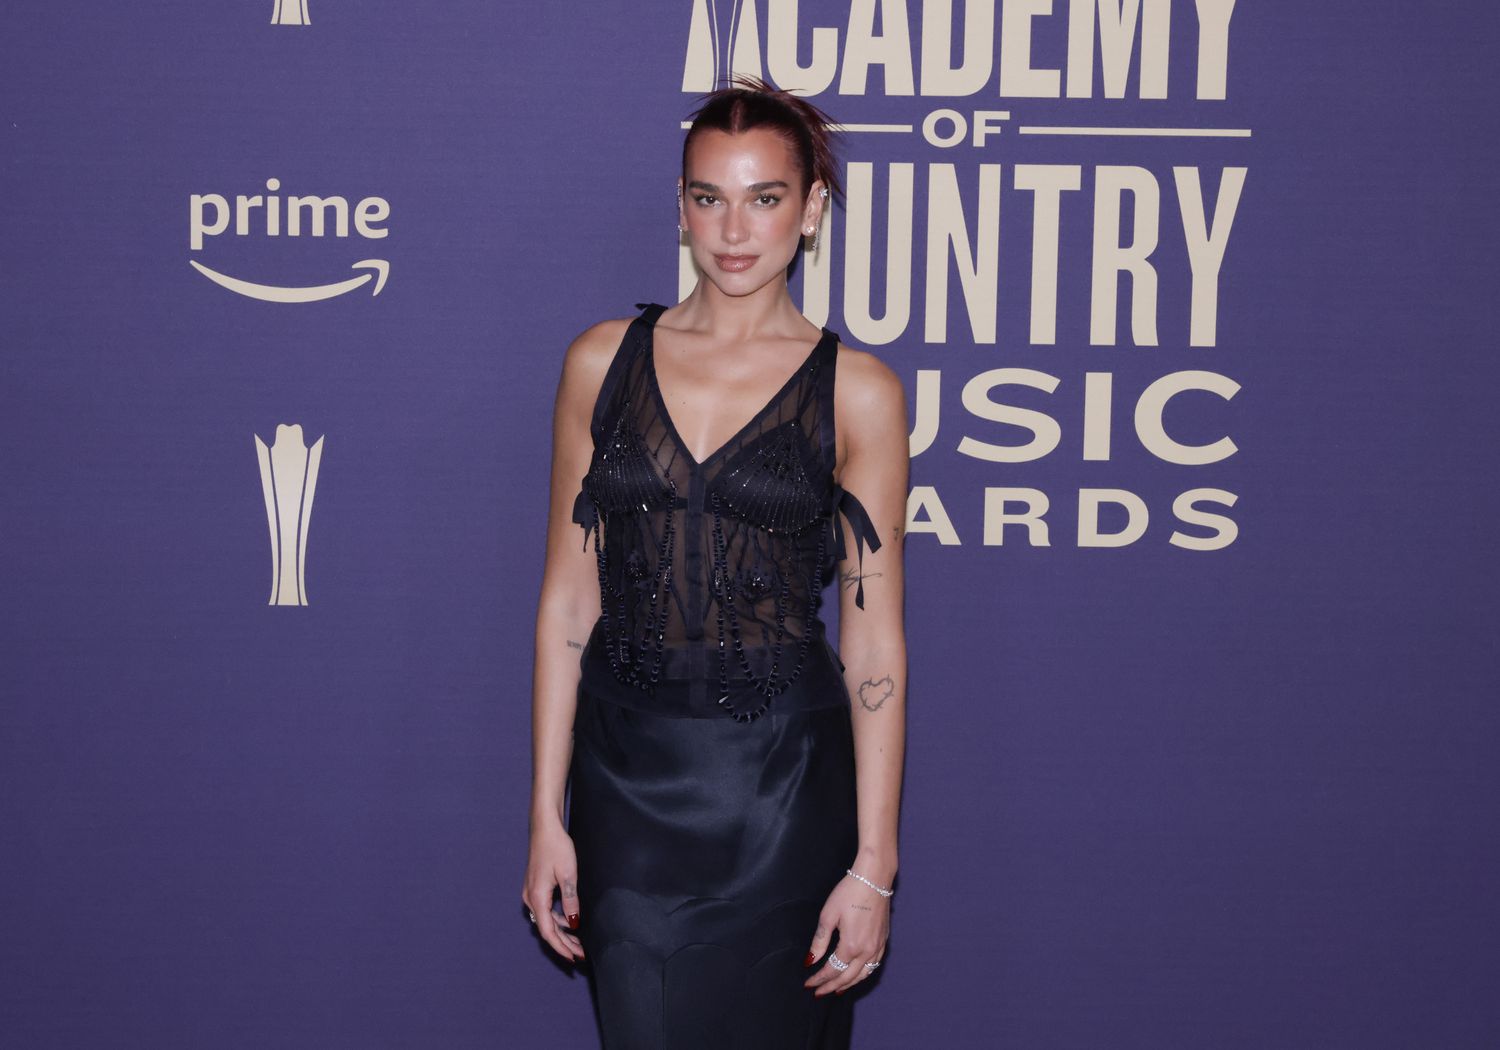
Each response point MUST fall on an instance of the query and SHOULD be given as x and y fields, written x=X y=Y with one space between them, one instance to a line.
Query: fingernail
x=809 y=960
x=838 y=991
x=573 y=921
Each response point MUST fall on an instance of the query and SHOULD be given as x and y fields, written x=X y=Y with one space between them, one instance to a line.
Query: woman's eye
x=768 y=199
x=702 y=198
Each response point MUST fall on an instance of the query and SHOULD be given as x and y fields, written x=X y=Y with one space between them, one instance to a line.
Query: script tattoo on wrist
x=574 y=645
x=874 y=692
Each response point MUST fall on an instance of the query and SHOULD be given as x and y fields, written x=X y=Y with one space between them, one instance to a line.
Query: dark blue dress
x=712 y=790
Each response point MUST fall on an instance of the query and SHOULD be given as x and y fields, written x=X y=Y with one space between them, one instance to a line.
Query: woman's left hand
x=863 y=920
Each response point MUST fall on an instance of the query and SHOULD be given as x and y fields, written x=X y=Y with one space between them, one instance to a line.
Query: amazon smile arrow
x=277 y=294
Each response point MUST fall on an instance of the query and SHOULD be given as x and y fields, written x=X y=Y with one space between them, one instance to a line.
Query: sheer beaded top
x=714 y=568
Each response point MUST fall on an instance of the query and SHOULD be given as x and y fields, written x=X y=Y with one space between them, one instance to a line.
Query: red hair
x=752 y=103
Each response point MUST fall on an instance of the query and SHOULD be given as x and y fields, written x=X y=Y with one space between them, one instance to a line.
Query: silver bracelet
x=878 y=889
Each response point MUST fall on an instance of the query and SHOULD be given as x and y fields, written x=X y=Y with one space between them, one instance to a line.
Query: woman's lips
x=735 y=263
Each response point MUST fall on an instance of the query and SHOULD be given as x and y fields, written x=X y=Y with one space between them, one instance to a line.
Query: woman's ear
x=812 y=209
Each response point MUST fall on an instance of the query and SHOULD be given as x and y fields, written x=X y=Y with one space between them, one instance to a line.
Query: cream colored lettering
x=209 y=215
x=995 y=49
x=979 y=399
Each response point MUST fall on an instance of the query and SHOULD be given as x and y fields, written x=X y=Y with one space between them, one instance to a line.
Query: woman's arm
x=566 y=611
x=569 y=602
x=872 y=640
x=871 y=410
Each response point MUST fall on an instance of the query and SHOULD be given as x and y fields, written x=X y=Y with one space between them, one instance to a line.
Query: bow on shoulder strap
x=847 y=504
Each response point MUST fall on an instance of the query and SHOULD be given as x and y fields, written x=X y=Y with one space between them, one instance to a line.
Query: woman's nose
x=734 y=226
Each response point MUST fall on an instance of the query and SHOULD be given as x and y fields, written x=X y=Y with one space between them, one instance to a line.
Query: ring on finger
x=836 y=962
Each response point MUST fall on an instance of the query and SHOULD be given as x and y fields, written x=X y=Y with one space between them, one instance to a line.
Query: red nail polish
x=838 y=991
x=573 y=921
x=809 y=960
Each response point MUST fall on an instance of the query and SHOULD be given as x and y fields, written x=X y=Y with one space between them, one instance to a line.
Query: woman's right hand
x=553 y=865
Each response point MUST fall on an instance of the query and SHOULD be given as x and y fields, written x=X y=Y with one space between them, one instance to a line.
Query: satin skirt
x=706 y=849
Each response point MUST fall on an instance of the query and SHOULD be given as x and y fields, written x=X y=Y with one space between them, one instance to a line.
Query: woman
x=733 y=787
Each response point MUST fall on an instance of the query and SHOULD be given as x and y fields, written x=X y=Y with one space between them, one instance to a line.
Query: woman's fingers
x=829 y=980
x=560 y=929
x=549 y=924
x=567 y=882
x=827 y=974
x=841 y=979
x=566 y=935
x=865 y=973
x=538 y=899
x=850 y=976
x=826 y=925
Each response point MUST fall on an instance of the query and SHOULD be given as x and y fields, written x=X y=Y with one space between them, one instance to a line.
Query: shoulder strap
x=585 y=513
x=650 y=311
x=845 y=503
x=827 y=367
x=629 y=343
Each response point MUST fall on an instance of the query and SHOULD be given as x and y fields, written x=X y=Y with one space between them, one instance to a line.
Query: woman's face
x=743 y=209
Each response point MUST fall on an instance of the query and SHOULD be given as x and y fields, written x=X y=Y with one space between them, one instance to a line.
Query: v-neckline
x=666 y=413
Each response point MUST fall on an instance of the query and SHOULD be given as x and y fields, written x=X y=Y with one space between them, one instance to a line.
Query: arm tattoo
x=574 y=645
x=852 y=576
x=874 y=692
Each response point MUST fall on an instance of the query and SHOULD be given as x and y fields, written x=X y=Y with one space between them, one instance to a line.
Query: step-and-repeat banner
x=1195 y=305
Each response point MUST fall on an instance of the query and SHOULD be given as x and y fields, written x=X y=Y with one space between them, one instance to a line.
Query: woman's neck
x=767 y=312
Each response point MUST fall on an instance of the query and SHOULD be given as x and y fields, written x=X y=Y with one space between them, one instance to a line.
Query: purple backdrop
x=1155 y=797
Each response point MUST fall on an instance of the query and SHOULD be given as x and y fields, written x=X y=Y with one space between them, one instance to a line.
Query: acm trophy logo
x=290 y=13
x=721 y=42
x=288 y=479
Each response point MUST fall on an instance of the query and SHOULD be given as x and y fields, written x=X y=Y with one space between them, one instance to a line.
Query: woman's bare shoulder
x=587 y=359
x=867 y=386
x=870 y=420
x=594 y=347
